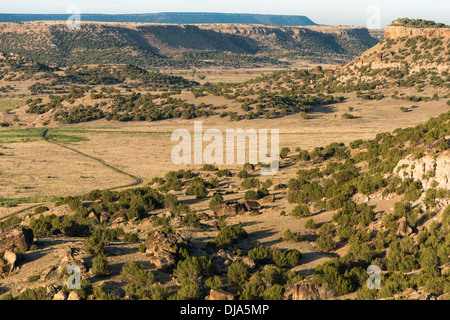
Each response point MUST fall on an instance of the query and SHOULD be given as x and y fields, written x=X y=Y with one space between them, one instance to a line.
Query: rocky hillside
x=157 y=45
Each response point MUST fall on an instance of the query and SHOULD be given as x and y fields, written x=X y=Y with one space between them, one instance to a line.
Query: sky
x=369 y=13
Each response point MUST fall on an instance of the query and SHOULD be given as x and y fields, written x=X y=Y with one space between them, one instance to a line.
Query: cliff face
x=396 y=32
x=427 y=169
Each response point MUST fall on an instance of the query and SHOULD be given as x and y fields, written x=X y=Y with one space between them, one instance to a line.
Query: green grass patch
x=36 y=134
x=21 y=135
x=13 y=202
x=11 y=104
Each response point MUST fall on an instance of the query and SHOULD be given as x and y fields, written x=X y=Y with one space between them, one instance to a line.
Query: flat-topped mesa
x=396 y=32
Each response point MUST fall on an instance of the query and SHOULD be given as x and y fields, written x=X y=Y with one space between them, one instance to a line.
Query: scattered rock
x=73 y=295
x=308 y=290
x=216 y=294
x=414 y=294
x=403 y=228
x=162 y=246
x=61 y=295
x=10 y=258
x=16 y=238
x=229 y=208
x=251 y=205
x=104 y=217
x=269 y=199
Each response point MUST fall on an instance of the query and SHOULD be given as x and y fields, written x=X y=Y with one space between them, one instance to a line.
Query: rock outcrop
x=427 y=169
x=162 y=247
x=216 y=294
x=229 y=209
x=396 y=32
x=403 y=228
x=308 y=290
x=233 y=208
x=15 y=238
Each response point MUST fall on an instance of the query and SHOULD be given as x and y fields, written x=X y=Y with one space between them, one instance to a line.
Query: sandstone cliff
x=396 y=32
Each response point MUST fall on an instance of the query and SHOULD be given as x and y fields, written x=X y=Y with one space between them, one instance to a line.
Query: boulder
x=11 y=259
x=73 y=295
x=269 y=199
x=251 y=205
x=403 y=228
x=229 y=208
x=15 y=238
x=61 y=295
x=308 y=290
x=216 y=294
x=162 y=247
x=163 y=260
x=104 y=217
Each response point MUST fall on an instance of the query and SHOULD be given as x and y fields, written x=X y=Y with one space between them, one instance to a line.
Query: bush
x=310 y=224
x=100 y=294
x=260 y=254
x=191 y=221
x=243 y=174
x=135 y=273
x=215 y=200
x=198 y=191
x=40 y=209
x=192 y=269
x=229 y=235
x=100 y=266
x=251 y=195
x=288 y=235
x=34 y=294
x=289 y=258
x=237 y=273
x=130 y=237
x=250 y=183
x=301 y=211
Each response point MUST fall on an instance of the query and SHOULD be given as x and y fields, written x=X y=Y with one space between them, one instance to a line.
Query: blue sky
x=336 y=12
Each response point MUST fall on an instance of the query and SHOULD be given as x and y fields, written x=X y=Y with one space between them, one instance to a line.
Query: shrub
x=208 y=167
x=310 y=224
x=188 y=290
x=198 y=191
x=288 y=235
x=40 y=209
x=192 y=269
x=100 y=294
x=224 y=173
x=261 y=254
x=289 y=258
x=251 y=195
x=215 y=200
x=274 y=292
x=237 y=273
x=229 y=235
x=33 y=294
x=135 y=273
x=284 y=152
x=191 y=221
x=100 y=266
x=130 y=237
x=213 y=282
x=243 y=174
x=301 y=211
x=249 y=183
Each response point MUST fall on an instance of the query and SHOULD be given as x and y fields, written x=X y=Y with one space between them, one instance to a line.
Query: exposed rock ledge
x=420 y=169
x=395 y=32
